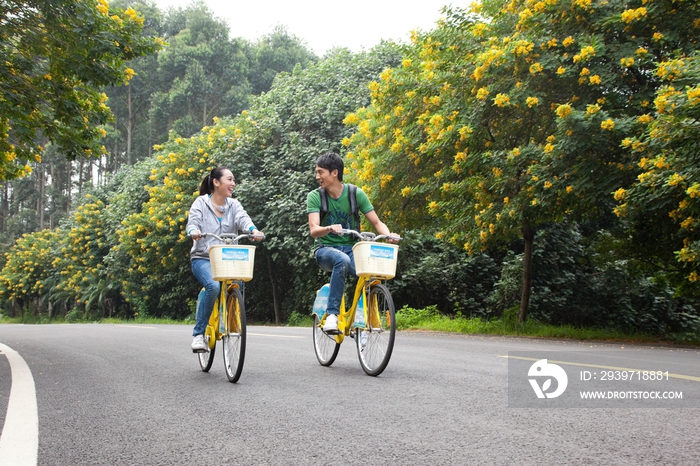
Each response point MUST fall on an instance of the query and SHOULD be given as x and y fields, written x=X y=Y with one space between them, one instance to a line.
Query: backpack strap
x=324 y=203
x=352 y=195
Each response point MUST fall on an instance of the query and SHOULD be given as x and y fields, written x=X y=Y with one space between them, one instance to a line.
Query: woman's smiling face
x=226 y=184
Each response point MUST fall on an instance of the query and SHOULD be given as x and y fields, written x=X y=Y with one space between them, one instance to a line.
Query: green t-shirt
x=338 y=212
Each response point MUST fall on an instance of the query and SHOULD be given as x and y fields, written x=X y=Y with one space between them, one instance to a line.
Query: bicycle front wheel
x=376 y=341
x=325 y=346
x=234 y=338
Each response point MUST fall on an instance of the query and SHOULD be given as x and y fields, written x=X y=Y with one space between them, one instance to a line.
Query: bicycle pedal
x=332 y=332
x=200 y=351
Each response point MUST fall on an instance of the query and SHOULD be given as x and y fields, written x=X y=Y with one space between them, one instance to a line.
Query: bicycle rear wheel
x=206 y=359
x=235 y=336
x=376 y=341
x=325 y=346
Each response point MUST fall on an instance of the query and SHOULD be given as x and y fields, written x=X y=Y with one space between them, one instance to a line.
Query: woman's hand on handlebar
x=256 y=235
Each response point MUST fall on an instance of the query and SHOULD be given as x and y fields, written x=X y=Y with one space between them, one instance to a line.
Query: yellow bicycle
x=232 y=265
x=371 y=320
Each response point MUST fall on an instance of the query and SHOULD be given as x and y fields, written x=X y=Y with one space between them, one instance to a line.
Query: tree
x=203 y=73
x=511 y=116
x=274 y=53
x=662 y=207
x=131 y=103
x=54 y=57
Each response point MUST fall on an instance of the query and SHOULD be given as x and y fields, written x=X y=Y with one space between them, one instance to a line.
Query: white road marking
x=19 y=442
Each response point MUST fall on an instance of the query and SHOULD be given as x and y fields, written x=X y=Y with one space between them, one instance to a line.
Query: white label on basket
x=381 y=252
x=234 y=254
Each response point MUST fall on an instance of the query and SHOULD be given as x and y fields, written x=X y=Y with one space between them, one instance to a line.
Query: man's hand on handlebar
x=393 y=238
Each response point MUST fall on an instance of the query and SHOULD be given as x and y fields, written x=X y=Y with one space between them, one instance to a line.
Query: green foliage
x=54 y=57
x=432 y=271
x=275 y=53
x=202 y=73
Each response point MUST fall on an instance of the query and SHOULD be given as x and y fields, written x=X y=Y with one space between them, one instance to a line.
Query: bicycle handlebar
x=231 y=237
x=369 y=236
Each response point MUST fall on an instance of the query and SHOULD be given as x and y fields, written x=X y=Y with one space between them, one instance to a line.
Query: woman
x=214 y=211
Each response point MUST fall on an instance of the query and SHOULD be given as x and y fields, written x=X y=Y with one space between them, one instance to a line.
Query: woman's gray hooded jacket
x=203 y=218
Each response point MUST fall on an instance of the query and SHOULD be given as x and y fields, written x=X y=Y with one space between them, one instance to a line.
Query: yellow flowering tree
x=79 y=263
x=663 y=205
x=511 y=116
x=151 y=253
x=28 y=274
x=54 y=57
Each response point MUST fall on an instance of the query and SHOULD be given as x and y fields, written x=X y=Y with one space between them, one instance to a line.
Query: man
x=335 y=252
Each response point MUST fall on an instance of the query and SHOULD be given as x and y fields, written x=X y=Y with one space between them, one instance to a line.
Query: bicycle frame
x=220 y=313
x=346 y=318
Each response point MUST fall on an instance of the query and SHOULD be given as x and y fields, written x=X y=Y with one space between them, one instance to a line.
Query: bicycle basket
x=374 y=259
x=231 y=262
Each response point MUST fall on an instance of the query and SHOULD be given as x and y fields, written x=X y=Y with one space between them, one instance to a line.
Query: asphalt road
x=134 y=395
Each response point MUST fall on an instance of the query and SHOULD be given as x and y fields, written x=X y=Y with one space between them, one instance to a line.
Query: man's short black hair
x=331 y=161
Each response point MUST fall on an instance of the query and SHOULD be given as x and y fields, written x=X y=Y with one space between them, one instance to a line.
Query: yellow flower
x=561 y=70
x=607 y=124
x=645 y=119
x=535 y=68
x=595 y=79
x=568 y=41
x=532 y=101
x=693 y=191
x=627 y=62
x=675 y=179
x=482 y=93
x=633 y=15
x=657 y=36
x=406 y=191
x=592 y=109
x=502 y=100
x=620 y=194
x=569 y=189
x=564 y=110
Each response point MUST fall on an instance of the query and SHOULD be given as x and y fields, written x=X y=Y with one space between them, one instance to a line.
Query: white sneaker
x=331 y=325
x=198 y=345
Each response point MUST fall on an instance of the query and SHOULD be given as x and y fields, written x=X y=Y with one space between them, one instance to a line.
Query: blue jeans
x=202 y=272
x=340 y=262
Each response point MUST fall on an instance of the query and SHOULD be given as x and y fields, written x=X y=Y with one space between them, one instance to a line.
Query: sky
x=355 y=24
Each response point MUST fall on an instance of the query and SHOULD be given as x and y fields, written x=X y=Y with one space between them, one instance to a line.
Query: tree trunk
x=275 y=301
x=129 y=119
x=4 y=206
x=529 y=237
x=41 y=180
